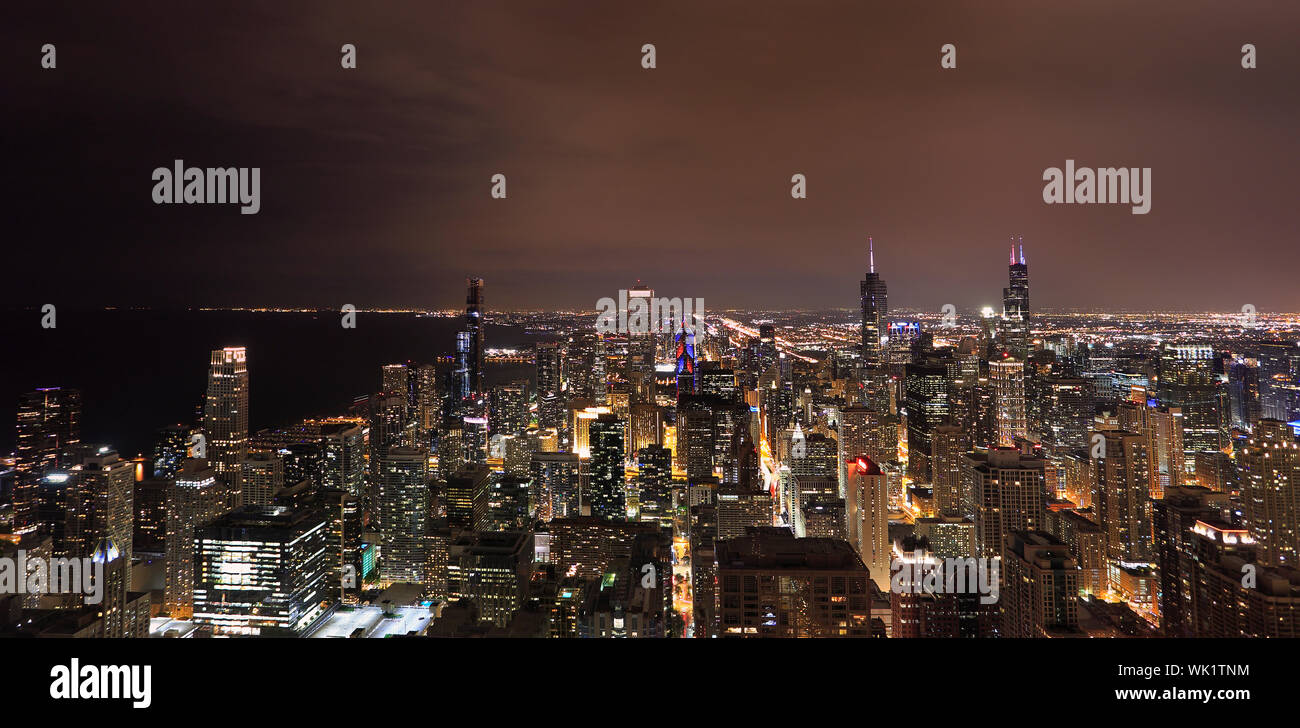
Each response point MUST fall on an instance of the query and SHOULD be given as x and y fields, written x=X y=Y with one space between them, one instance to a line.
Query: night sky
x=375 y=181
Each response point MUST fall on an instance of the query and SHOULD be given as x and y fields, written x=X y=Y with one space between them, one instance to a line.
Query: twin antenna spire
x=1022 y=250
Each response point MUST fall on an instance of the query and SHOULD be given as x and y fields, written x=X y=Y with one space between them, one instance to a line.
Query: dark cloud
x=375 y=181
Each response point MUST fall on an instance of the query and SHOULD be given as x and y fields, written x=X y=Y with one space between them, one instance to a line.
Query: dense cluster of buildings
x=705 y=478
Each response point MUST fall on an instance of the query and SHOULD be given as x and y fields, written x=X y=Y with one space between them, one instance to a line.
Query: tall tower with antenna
x=875 y=307
x=1015 y=304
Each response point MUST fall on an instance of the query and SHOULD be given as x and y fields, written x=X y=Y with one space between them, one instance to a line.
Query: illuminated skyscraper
x=474 y=327
x=403 y=504
x=866 y=505
x=49 y=426
x=1015 y=307
x=1188 y=382
x=427 y=403
x=107 y=483
x=1269 y=477
x=640 y=364
x=949 y=445
x=685 y=355
x=225 y=416
x=1163 y=429
x=863 y=431
x=344 y=457
x=1230 y=600
x=875 y=307
x=261 y=571
x=490 y=569
x=926 y=396
x=1124 y=495
x=607 y=482
x=508 y=408
x=1174 y=517
x=195 y=498
x=549 y=358
x=100 y=525
x=1040 y=587
x=1006 y=490
x=1065 y=411
x=654 y=479
x=261 y=475
x=394 y=379
x=555 y=474
x=1007 y=378
x=740 y=508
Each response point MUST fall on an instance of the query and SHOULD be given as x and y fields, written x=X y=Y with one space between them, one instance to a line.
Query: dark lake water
x=141 y=370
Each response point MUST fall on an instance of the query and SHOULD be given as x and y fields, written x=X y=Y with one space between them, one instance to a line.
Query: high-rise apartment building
x=196 y=498
x=1269 y=478
x=866 y=506
x=1123 y=496
x=403 y=504
x=1006 y=491
x=260 y=476
x=949 y=445
x=1040 y=587
x=1007 y=378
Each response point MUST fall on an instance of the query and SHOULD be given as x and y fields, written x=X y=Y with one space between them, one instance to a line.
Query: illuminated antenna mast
x=1022 y=250
x=871 y=251
x=1013 y=250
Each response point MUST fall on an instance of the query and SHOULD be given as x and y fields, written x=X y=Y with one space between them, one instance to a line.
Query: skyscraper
x=403 y=500
x=225 y=416
x=1065 y=408
x=925 y=388
x=654 y=479
x=195 y=498
x=949 y=445
x=1006 y=491
x=640 y=364
x=1007 y=378
x=875 y=307
x=1173 y=517
x=49 y=426
x=394 y=379
x=607 y=481
x=1124 y=496
x=1015 y=307
x=1269 y=477
x=685 y=356
x=1188 y=381
x=474 y=327
x=508 y=408
x=261 y=570
x=105 y=496
x=1040 y=596
x=555 y=475
x=261 y=475
x=866 y=505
